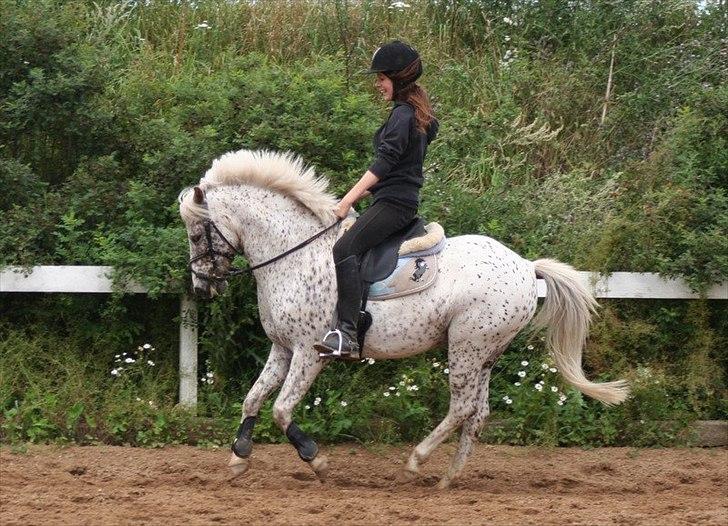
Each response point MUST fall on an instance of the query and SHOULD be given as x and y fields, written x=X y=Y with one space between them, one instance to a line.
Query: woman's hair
x=407 y=90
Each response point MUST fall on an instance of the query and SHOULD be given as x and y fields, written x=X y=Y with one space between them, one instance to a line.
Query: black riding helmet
x=393 y=57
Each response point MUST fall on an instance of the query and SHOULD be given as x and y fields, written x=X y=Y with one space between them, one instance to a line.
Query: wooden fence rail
x=96 y=280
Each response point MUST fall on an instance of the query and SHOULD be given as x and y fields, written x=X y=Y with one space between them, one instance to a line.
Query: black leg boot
x=342 y=341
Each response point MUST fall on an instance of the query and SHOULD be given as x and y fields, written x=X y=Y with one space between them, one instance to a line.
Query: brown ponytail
x=407 y=90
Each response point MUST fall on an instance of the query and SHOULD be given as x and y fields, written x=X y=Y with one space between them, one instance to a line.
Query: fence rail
x=97 y=280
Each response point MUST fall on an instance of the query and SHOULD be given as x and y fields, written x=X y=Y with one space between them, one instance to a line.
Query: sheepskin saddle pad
x=405 y=263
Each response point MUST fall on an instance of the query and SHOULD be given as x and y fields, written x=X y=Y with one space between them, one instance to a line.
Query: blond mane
x=283 y=172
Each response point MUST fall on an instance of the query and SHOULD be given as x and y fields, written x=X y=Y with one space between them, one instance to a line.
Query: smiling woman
x=394 y=179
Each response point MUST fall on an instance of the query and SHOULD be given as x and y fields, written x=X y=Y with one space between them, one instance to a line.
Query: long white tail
x=565 y=314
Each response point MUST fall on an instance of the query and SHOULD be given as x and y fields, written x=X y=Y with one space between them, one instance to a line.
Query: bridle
x=232 y=271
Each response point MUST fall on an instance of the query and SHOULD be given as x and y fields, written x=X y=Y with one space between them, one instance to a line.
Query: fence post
x=188 y=352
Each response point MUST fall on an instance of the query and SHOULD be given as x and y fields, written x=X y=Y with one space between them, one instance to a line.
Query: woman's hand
x=342 y=210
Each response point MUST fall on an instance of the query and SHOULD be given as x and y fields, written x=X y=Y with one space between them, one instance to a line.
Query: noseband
x=211 y=253
x=232 y=271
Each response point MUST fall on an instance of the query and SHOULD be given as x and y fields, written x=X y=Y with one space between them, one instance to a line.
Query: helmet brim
x=371 y=71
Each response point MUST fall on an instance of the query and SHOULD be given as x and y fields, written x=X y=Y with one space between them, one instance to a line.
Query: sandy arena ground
x=105 y=485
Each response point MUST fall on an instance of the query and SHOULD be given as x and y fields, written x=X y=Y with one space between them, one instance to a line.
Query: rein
x=211 y=253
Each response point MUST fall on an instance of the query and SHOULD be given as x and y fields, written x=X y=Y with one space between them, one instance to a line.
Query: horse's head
x=211 y=252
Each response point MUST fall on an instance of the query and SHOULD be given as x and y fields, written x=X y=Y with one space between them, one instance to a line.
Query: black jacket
x=400 y=151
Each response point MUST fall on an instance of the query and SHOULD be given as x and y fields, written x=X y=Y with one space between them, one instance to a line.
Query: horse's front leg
x=305 y=366
x=272 y=376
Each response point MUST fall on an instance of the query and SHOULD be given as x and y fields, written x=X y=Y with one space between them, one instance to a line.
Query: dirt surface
x=501 y=485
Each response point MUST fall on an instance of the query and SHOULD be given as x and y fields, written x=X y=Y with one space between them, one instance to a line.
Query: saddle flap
x=380 y=261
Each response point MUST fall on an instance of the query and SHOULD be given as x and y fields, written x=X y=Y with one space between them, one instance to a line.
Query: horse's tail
x=566 y=313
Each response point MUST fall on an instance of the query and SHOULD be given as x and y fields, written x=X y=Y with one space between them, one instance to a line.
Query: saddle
x=405 y=263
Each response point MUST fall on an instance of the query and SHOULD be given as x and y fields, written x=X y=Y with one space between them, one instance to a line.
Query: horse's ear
x=199 y=196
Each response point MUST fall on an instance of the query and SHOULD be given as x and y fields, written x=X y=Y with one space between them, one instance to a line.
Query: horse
x=260 y=203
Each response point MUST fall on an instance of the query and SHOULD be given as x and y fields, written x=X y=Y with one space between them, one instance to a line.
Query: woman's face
x=384 y=85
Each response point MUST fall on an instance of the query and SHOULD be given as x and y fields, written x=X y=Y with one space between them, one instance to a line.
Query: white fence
x=92 y=279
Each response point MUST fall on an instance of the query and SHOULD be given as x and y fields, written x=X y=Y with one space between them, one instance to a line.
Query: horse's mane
x=283 y=172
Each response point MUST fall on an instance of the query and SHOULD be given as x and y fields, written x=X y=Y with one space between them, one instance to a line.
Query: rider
x=394 y=179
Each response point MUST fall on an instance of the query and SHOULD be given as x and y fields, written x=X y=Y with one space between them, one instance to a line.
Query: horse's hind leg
x=465 y=365
x=272 y=376
x=471 y=429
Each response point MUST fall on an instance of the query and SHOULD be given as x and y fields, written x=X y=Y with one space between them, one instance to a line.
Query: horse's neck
x=265 y=222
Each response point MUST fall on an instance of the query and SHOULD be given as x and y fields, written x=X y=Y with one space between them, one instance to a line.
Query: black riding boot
x=342 y=342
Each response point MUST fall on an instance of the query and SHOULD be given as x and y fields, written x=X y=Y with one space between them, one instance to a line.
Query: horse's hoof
x=238 y=466
x=444 y=483
x=407 y=475
x=320 y=466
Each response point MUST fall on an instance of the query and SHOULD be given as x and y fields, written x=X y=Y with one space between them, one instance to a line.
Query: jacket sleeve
x=393 y=142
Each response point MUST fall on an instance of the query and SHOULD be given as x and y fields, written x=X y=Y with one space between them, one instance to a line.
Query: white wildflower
x=544 y=366
x=150 y=363
x=507 y=20
x=554 y=389
x=509 y=401
x=117 y=356
x=392 y=388
x=130 y=360
x=436 y=364
x=530 y=347
x=386 y=393
x=396 y=394
x=446 y=371
x=203 y=25
x=371 y=361
x=538 y=387
x=402 y=383
x=522 y=374
x=317 y=400
x=114 y=372
x=505 y=397
x=517 y=384
x=552 y=369
x=138 y=399
x=344 y=403
x=524 y=363
x=560 y=402
x=307 y=407
x=507 y=38
x=398 y=5
x=210 y=374
x=147 y=346
x=542 y=382
x=415 y=388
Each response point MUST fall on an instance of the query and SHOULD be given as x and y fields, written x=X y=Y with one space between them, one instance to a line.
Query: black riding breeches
x=376 y=224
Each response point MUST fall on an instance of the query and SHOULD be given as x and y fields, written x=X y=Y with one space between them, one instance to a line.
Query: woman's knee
x=341 y=251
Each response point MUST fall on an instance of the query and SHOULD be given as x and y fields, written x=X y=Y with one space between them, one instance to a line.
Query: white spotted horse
x=274 y=210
